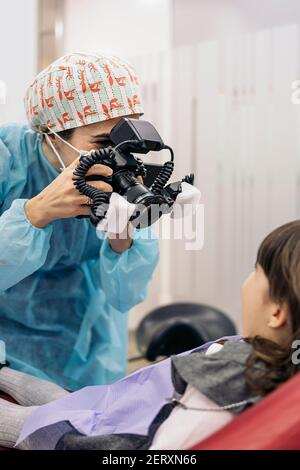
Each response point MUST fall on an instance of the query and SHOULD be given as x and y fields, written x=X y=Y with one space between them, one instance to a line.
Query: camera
x=128 y=137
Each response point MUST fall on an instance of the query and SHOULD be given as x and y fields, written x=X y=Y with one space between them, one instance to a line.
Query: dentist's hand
x=61 y=200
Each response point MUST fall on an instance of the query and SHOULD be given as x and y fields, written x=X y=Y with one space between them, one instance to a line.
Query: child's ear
x=278 y=316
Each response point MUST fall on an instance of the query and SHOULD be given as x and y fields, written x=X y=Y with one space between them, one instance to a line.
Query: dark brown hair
x=67 y=134
x=279 y=257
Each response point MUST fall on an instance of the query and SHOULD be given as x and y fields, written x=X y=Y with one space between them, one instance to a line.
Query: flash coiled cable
x=100 y=198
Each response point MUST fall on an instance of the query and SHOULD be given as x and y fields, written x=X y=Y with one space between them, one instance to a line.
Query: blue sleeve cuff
x=19 y=209
x=125 y=276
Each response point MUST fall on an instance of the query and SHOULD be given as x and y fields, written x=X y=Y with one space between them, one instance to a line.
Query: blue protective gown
x=64 y=293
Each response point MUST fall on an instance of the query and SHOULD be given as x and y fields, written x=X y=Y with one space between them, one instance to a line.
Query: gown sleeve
x=125 y=277
x=24 y=248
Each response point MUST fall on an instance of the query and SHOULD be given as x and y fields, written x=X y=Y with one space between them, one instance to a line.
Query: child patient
x=216 y=381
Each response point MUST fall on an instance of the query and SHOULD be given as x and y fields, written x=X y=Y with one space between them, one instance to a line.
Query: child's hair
x=279 y=257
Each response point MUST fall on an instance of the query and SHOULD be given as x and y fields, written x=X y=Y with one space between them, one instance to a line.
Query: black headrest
x=180 y=327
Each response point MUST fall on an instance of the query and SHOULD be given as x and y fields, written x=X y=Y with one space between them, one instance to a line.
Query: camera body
x=126 y=168
x=127 y=137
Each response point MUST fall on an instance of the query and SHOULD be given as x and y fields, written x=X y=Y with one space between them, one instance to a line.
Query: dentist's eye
x=103 y=143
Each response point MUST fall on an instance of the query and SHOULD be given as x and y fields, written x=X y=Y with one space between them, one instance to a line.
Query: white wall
x=223 y=102
x=232 y=122
x=18 y=54
x=122 y=27
x=202 y=20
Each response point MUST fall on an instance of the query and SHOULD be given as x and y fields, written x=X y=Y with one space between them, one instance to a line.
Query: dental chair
x=272 y=424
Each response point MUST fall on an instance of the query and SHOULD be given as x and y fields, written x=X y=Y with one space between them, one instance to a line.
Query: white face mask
x=80 y=152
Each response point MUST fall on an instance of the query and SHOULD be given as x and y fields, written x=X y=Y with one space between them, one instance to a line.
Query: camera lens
x=149 y=207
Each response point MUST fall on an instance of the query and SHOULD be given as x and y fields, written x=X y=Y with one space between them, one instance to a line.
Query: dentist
x=65 y=288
